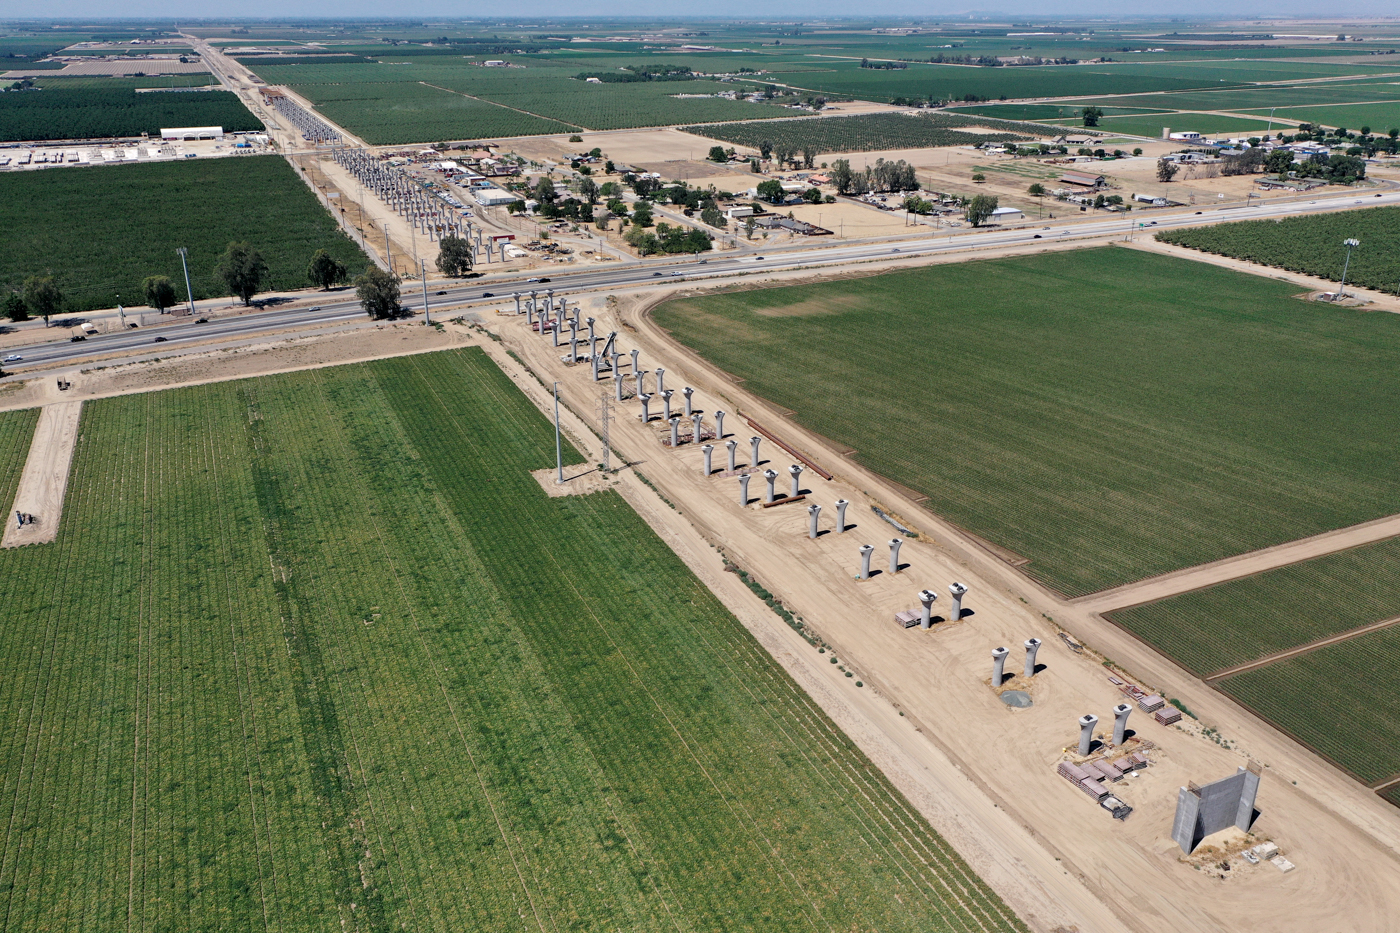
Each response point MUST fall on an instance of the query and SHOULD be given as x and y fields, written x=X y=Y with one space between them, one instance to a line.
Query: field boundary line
x=1385 y=783
x=1248 y=564
x=1303 y=649
x=493 y=103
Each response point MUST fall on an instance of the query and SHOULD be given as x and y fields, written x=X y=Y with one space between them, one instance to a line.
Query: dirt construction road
x=45 y=476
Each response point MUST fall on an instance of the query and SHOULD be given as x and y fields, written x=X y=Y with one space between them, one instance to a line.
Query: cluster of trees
x=787 y=153
x=978 y=209
x=882 y=176
x=883 y=66
x=631 y=74
x=1092 y=115
x=668 y=239
x=986 y=61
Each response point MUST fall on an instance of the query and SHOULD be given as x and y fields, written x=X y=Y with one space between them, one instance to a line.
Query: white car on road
x=14 y=358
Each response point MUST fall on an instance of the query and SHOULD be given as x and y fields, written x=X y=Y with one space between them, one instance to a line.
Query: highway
x=57 y=349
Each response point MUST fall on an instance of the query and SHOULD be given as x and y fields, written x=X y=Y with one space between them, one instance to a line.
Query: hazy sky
x=682 y=8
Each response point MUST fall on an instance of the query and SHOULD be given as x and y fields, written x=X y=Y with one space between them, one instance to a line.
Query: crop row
x=58 y=111
x=1311 y=244
x=1109 y=417
x=868 y=132
x=100 y=232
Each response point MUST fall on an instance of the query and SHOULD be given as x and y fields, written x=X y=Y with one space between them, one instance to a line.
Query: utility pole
x=558 y=445
x=388 y=259
x=605 y=419
x=423 y=267
x=1349 y=242
x=189 y=295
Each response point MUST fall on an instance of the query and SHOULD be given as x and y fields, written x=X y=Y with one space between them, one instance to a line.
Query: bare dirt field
x=45 y=476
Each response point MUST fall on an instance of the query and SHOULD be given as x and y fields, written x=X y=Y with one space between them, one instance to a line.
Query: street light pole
x=189 y=295
x=1349 y=242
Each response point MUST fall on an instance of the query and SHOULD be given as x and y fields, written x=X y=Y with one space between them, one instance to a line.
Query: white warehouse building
x=181 y=133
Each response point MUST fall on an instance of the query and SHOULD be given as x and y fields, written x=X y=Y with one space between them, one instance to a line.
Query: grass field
x=1209 y=123
x=1107 y=414
x=16 y=430
x=1234 y=623
x=100 y=231
x=868 y=132
x=316 y=651
x=114 y=108
x=1380 y=116
x=1311 y=244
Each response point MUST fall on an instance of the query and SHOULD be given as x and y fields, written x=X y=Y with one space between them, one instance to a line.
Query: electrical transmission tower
x=605 y=417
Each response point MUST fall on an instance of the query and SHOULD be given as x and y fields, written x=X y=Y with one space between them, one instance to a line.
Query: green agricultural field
x=114 y=108
x=16 y=430
x=868 y=132
x=101 y=230
x=1209 y=123
x=1310 y=244
x=1238 y=622
x=1340 y=700
x=1380 y=116
x=1106 y=414
x=315 y=650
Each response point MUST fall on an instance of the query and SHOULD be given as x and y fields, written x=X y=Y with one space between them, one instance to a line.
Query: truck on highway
x=82 y=331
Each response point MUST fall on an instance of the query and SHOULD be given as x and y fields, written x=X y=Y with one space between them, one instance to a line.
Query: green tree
x=771 y=191
x=641 y=214
x=544 y=190
x=1279 y=161
x=325 y=270
x=841 y=176
x=1036 y=190
x=812 y=196
x=1166 y=171
x=378 y=292
x=588 y=190
x=717 y=154
x=42 y=297
x=643 y=241
x=765 y=148
x=160 y=293
x=712 y=216
x=242 y=268
x=980 y=208
x=454 y=256
x=15 y=308
x=1092 y=115
x=978 y=178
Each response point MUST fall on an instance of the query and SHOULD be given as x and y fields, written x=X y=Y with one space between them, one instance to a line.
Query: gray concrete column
x=796 y=472
x=699 y=425
x=549 y=298
x=617 y=382
x=926 y=597
x=660 y=380
x=865 y=551
x=999 y=665
x=675 y=431
x=744 y=489
x=555 y=331
x=1032 y=646
x=591 y=335
x=516 y=296
x=894 y=554
x=688 y=392
x=958 y=591
x=573 y=326
x=534 y=303
x=640 y=374
x=646 y=402
x=841 y=516
x=634 y=361
x=575 y=314
x=1120 y=722
x=666 y=400
x=719 y=425
x=615 y=357
x=753 y=455
x=1087 y=722
x=772 y=478
x=729 y=445
x=813 y=520
x=709 y=450
x=573 y=349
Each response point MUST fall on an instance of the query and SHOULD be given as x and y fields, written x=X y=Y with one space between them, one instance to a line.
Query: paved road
x=57 y=349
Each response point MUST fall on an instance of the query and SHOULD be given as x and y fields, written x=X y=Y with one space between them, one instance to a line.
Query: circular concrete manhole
x=1017 y=698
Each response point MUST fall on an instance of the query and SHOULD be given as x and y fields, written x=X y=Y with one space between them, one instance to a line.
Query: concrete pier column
x=688 y=392
x=573 y=327
x=666 y=400
x=646 y=403
x=744 y=489
x=549 y=298
x=575 y=314
x=753 y=452
x=617 y=383
x=573 y=349
x=709 y=450
x=533 y=303
x=516 y=296
x=1032 y=646
x=634 y=361
x=796 y=472
x=927 y=597
x=555 y=331
x=591 y=335
x=1120 y=722
x=772 y=478
x=730 y=445
x=640 y=380
x=841 y=516
x=615 y=357
x=660 y=380
x=813 y=520
x=999 y=665
x=675 y=431
x=699 y=425
x=719 y=425
x=894 y=554
x=865 y=551
x=958 y=591
x=1087 y=722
